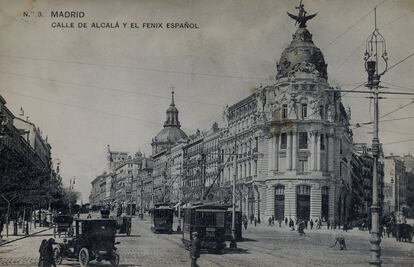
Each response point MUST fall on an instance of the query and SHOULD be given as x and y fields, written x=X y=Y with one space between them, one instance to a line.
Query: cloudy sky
x=86 y=88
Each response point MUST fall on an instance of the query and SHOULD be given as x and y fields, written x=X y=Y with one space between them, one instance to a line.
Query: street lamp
x=50 y=181
x=375 y=54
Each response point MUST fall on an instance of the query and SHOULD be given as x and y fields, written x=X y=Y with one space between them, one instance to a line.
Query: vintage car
x=63 y=224
x=209 y=222
x=162 y=218
x=94 y=240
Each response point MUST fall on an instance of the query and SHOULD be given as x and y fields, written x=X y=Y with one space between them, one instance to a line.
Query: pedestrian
x=286 y=221
x=341 y=240
x=1 y=226
x=46 y=258
x=42 y=253
x=291 y=225
x=301 y=228
x=255 y=221
x=270 y=221
x=280 y=223
x=273 y=219
x=251 y=218
x=195 y=249
x=311 y=224
x=245 y=221
x=328 y=224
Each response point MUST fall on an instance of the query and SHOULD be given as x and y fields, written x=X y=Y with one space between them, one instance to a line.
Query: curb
x=23 y=237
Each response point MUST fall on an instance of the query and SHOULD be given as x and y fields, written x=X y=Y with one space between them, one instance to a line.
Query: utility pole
x=233 y=243
x=375 y=48
x=179 y=199
x=141 y=205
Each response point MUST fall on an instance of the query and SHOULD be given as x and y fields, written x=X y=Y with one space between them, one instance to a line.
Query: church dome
x=170 y=135
x=302 y=54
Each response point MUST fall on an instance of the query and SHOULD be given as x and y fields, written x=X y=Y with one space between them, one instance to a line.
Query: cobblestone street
x=264 y=246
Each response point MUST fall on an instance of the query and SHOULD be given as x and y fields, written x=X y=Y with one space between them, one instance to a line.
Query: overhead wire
x=353 y=25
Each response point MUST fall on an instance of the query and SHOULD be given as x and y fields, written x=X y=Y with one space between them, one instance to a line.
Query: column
x=330 y=153
x=294 y=150
x=269 y=156
x=289 y=152
x=290 y=201
x=277 y=152
x=315 y=202
x=318 y=152
x=311 y=149
x=270 y=205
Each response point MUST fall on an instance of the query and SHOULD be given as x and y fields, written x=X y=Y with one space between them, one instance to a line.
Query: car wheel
x=83 y=257
x=115 y=259
x=57 y=255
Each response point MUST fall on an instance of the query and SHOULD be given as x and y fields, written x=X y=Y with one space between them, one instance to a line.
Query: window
x=303 y=140
x=322 y=142
x=280 y=190
x=321 y=112
x=283 y=141
x=284 y=111
x=304 y=111
x=303 y=190
x=255 y=167
x=303 y=165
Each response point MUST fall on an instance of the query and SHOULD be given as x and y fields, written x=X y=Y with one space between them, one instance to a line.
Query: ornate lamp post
x=375 y=65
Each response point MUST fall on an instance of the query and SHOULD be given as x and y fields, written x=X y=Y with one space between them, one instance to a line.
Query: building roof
x=171 y=133
x=302 y=55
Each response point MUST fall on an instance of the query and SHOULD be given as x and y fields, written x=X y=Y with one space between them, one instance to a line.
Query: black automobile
x=94 y=240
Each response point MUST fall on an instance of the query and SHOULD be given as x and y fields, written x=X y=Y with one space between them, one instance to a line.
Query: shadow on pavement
x=118 y=236
x=236 y=251
x=248 y=240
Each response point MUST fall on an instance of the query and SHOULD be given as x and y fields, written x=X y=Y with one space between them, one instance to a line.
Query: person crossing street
x=195 y=250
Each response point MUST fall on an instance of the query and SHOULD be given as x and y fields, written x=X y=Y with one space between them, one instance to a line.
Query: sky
x=90 y=87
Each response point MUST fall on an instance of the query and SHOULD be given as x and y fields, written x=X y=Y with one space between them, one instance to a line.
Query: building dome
x=302 y=54
x=171 y=133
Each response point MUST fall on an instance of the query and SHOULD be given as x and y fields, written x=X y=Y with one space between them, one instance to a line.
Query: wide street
x=264 y=246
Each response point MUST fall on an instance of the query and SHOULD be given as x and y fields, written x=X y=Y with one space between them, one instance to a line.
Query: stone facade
x=395 y=184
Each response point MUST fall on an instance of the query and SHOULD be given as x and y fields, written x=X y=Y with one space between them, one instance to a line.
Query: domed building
x=292 y=140
x=171 y=134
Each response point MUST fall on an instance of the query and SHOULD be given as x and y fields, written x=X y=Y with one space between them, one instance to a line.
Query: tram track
x=180 y=244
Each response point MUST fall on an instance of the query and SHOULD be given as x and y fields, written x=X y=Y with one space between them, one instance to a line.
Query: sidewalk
x=20 y=233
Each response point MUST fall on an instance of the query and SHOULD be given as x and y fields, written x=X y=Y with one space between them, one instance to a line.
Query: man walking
x=311 y=224
x=195 y=250
x=1 y=226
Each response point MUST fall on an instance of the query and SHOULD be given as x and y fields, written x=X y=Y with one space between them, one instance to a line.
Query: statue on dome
x=301 y=18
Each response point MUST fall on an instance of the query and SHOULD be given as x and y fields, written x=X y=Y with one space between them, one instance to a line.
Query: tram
x=208 y=221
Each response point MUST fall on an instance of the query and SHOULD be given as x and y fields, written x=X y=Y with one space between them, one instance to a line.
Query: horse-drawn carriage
x=63 y=224
x=94 y=240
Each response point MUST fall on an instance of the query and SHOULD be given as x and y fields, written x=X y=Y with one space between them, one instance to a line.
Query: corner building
x=299 y=130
